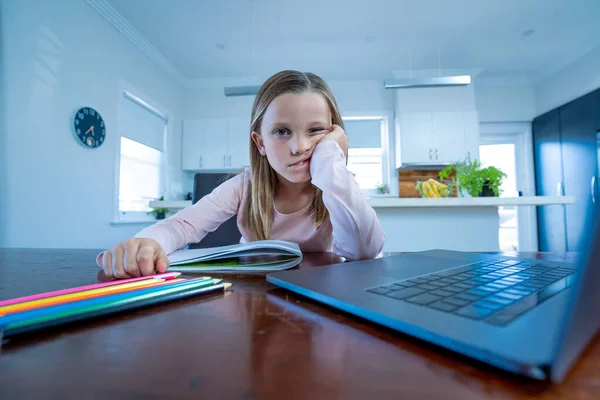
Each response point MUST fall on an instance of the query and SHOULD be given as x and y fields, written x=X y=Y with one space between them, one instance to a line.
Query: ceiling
x=365 y=39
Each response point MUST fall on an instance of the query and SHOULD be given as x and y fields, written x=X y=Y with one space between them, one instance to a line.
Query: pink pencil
x=166 y=276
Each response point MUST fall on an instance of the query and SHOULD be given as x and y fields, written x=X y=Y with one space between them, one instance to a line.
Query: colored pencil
x=86 y=294
x=190 y=287
x=74 y=305
x=168 y=275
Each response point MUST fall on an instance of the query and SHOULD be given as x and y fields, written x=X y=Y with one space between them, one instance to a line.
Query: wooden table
x=257 y=341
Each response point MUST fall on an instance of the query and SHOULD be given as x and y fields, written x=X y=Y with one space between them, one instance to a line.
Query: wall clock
x=89 y=127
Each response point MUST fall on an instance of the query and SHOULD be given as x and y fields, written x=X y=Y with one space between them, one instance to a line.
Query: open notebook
x=257 y=256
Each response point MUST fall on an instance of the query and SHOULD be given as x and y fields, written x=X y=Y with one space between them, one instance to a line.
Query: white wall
x=59 y=56
x=504 y=100
x=210 y=102
x=3 y=165
x=356 y=98
x=571 y=82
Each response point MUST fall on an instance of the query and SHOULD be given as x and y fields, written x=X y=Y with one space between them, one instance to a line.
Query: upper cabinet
x=431 y=138
x=238 y=142
x=215 y=144
x=415 y=143
x=472 y=136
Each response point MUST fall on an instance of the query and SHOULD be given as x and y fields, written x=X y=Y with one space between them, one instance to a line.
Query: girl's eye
x=281 y=132
x=317 y=130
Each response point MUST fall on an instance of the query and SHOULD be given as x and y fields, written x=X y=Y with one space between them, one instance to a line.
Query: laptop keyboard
x=495 y=291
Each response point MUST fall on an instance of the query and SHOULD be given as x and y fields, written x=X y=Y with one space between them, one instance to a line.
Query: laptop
x=530 y=317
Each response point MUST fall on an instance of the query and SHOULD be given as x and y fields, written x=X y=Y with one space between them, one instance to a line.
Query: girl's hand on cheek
x=337 y=134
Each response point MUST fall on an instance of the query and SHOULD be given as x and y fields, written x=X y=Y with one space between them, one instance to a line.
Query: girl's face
x=290 y=130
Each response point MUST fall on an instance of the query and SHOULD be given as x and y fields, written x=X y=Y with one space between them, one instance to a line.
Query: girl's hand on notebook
x=339 y=135
x=134 y=257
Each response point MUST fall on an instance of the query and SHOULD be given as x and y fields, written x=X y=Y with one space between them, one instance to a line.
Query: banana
x=439 y=188
x=438 y=184
x=424 y=189
x=435 y=190
x=429 y=189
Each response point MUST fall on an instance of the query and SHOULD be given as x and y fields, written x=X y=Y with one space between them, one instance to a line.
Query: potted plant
x=476 y=181
x=383 y=188
x=160 y=213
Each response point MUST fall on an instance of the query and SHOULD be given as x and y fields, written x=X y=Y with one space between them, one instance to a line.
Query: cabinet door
x=238 y=143
x=578 y=135
x=597 y=110
x=548 y=175
x=416 y=139
x=448 y=136
x=215 y=146
x=192 y=145
x=472 y=135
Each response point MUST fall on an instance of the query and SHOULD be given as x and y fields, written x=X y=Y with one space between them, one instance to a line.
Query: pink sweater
x=352 y=231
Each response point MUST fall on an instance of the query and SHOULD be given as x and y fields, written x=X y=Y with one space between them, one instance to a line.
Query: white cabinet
x=192 y=145
x=238 y=142
x=472 y=135
x=448 y=130
x=431 y=138
x=215 y=144
x=416 y=139
x=214 y=151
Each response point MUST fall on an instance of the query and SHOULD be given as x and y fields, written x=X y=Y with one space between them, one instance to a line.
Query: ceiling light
x=241 y=90
x=437 y=81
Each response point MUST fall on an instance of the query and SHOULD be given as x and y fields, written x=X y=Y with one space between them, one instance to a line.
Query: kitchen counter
x=173 y=205
x=386 y=202
x=456 y=223
x=392 y=202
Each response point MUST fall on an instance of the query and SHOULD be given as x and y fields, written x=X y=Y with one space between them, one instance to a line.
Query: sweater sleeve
x=357 y=231
x=194 y=222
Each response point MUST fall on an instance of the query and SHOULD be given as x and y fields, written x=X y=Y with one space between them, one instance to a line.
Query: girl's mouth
x=301 y=164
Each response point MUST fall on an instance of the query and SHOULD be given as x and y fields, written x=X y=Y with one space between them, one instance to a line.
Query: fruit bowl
x=434 y=189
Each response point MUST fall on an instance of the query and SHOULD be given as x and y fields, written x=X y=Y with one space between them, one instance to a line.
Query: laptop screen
x=582 y=318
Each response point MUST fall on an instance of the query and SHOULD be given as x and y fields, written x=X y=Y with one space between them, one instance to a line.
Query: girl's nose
x=300 y=145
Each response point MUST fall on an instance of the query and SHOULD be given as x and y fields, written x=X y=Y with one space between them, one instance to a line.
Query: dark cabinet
x=548 y=181
x=566 y=160
x=597 y=110
x=580 y=165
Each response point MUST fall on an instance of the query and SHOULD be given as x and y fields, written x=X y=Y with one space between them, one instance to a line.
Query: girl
x=297 y=187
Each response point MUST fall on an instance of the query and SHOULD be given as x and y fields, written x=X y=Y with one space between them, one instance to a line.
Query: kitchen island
x=455 y=223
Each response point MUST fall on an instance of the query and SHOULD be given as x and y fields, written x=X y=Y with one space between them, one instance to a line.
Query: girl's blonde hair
x=258 y=210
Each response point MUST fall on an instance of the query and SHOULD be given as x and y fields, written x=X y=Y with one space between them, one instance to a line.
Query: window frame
x=126 y=93
x=385 y=146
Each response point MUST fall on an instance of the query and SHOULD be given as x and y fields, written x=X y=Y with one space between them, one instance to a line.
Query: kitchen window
x=367 y=155
x=141 y=168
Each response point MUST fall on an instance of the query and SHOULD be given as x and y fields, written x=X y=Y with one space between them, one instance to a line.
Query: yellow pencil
x=88 y=294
